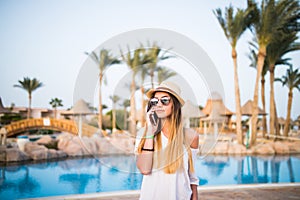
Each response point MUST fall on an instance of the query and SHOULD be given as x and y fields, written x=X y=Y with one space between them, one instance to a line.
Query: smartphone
x=153 y=117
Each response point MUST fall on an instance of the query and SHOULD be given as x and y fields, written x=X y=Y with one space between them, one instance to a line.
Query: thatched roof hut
x=216 y=103
x=247 y=109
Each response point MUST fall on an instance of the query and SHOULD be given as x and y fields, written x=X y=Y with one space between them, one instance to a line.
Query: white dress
x=161 y=186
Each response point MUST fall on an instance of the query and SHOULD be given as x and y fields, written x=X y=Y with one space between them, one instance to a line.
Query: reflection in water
x=216 y=164
x=291 y=172
x=23 y=185
x=110 y=173
x=78 y=181
x=249 y=173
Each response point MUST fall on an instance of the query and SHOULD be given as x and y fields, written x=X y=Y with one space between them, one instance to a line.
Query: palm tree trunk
x=264 y=122
x=152 y=78
x=260 y=63
x=143 y=114
x=132 y=107
x=100 y=102
x=272 y=101
x=237 y=100
x=288 y=115
x=55 y=113
x=277 y=126
x=114 y=117
x=29 y=106
x=125 y=118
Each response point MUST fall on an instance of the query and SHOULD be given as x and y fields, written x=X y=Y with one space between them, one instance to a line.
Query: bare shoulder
x=192 y=137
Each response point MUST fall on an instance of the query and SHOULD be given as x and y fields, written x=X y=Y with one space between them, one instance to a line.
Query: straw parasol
x=79 y=109
x=216 y=101
x=247 y=109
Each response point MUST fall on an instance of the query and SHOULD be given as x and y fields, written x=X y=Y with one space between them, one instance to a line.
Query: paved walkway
x=288 y=191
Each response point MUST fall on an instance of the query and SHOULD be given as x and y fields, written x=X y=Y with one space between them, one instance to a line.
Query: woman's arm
x=194 y=192
x=145 y=158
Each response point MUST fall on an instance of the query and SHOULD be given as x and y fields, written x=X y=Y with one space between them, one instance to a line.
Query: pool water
x=114 y=173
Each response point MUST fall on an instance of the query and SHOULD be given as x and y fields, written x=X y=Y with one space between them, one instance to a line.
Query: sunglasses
x=164 y=100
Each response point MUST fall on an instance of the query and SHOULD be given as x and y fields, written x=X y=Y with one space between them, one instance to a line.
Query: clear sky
x=47 y=40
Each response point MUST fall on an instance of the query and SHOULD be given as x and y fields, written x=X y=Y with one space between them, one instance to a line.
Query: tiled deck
x=289 y=191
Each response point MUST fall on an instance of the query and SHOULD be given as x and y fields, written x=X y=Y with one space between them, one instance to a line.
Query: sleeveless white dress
x=161 y=186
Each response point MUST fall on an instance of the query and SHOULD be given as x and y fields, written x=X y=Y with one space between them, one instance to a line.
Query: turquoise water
x=112 y=173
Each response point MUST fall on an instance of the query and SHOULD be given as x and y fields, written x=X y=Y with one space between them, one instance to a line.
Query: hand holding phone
x=153 y=118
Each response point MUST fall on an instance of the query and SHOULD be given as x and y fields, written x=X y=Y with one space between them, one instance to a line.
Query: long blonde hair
x=173 y=153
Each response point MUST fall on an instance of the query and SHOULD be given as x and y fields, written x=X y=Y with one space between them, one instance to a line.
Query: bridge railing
x=49 y=123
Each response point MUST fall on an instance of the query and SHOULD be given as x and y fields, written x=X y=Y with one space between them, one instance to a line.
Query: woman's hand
x=152 y=122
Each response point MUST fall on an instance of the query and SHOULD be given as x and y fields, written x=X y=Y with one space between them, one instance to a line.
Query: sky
x=47 y=40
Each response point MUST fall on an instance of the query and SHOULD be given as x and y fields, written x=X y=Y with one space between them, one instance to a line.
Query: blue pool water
x=112 y=173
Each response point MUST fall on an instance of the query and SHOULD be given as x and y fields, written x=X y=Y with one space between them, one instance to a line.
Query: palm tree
x=292 y=81
x=283 y=44
x=164 y=73
x=114 y=99
x=143 y=71
x=156 y=54
x=56 y=103
x=104 y=60
x=134 y=60
x=234 y=26
x=271 y=19
x=126 y=104
x=253 y=57
x=29 y=85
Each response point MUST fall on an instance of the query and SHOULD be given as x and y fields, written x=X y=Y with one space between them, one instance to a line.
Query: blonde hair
x=171 y=158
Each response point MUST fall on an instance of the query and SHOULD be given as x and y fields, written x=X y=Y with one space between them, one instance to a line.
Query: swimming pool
x=113 y=173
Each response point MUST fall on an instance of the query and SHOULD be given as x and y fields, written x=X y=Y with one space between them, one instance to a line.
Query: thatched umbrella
x=247 y=109
x=216 y=101
x=79 y=109
x=190 y=110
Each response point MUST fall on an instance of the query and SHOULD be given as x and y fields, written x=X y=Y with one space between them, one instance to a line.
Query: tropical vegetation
x=29 y=85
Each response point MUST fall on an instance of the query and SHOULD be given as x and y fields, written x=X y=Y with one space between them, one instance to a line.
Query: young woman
x=165 y=150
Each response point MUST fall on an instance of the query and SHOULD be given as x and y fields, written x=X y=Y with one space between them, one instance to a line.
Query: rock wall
x=68 y=145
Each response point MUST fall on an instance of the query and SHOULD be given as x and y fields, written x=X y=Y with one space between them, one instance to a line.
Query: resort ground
x=289 y=191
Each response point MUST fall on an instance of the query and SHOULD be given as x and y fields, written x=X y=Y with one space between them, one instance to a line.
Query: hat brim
x=150 y=93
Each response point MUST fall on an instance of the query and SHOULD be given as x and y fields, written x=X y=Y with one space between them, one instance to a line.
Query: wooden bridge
x=63 y=125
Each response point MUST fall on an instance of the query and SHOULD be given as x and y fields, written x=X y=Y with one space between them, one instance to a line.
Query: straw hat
x=169 y=87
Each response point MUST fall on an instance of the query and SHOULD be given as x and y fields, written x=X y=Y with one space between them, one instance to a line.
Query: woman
x=165 y=150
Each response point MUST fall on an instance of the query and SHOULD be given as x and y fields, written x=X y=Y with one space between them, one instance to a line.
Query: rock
x=264 y=149
x=74 y=147
x=44 y=140
x=63 y=140
x=89 y=146
x=32 y=146
x=281 y=148
x=52 y=154
x=294 y=147
x=14 y=155
x=35 y=151
x=237 y=149
x=61 y=154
